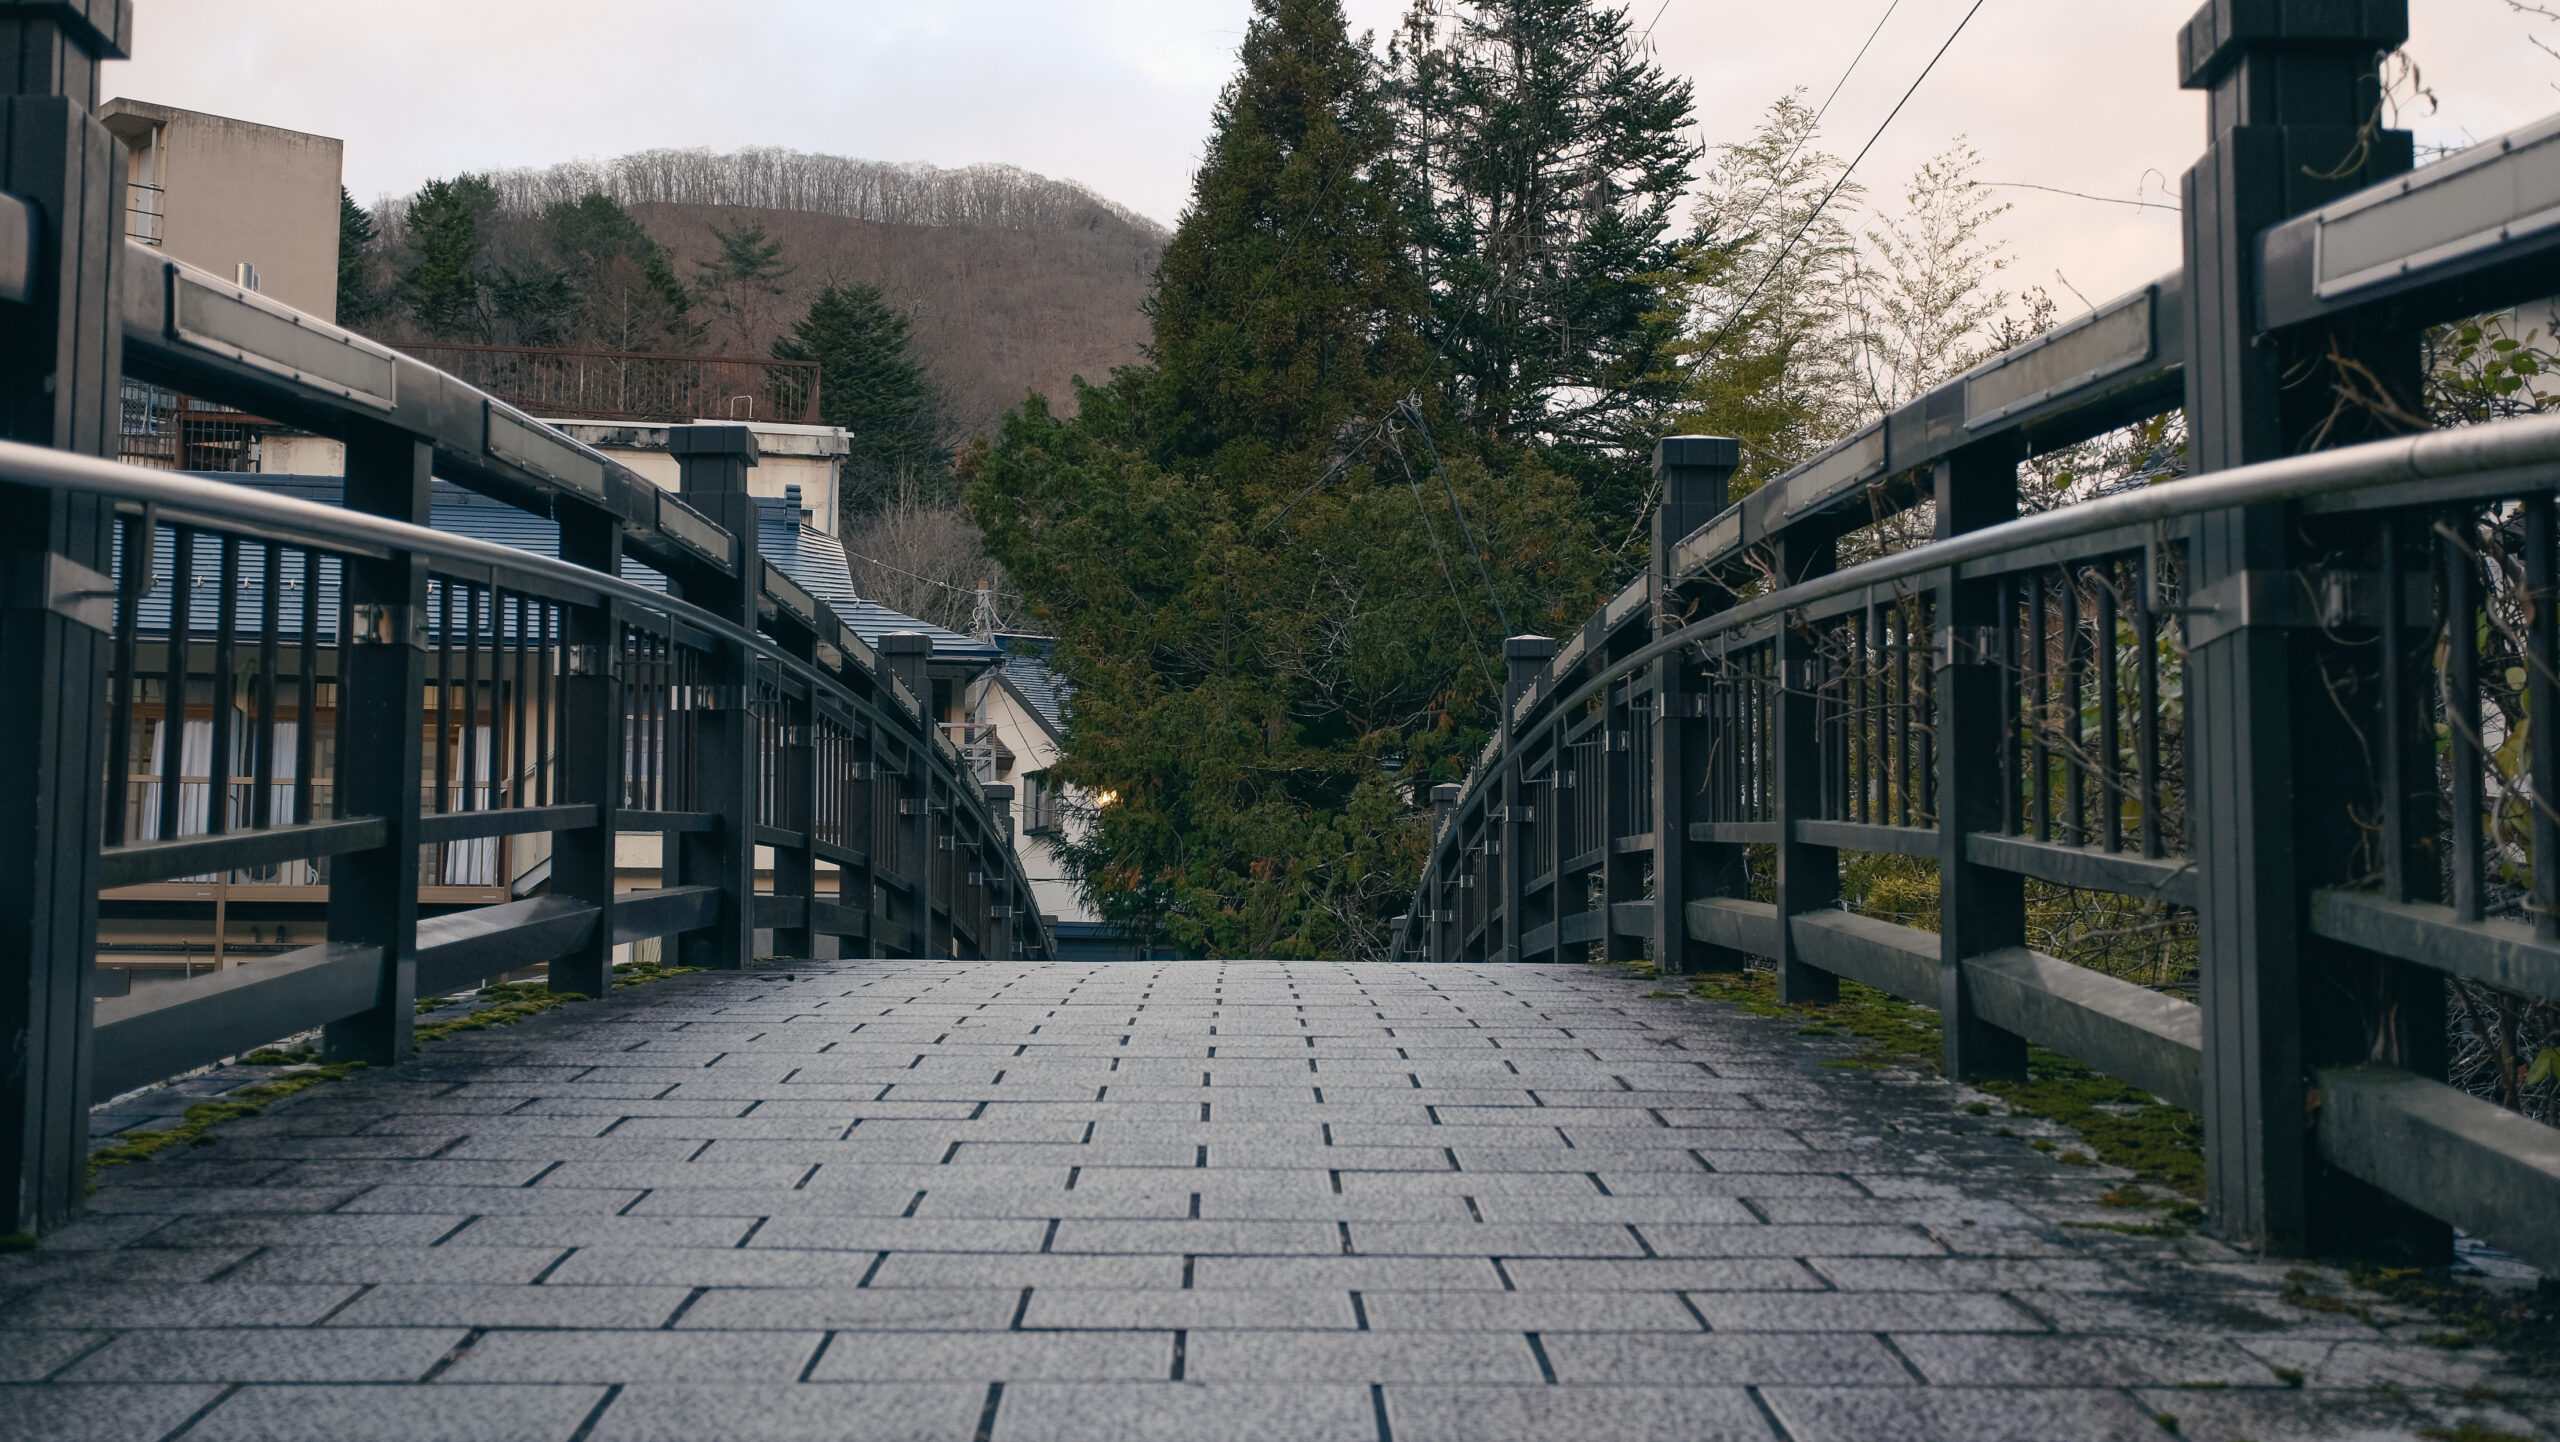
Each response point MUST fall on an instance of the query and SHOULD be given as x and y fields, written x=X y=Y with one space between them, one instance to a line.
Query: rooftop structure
x=254 y=203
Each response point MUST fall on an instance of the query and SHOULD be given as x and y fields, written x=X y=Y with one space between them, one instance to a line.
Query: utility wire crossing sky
x=2073 y=103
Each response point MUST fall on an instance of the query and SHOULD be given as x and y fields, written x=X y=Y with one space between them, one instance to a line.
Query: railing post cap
x=2209 y=43
x=1528 y=648
x=712 y=440
x=906 y=643
x=1684 y=451
x=103 y=29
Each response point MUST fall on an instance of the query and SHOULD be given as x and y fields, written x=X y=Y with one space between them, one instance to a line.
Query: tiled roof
x=1046 y=690
x=816 y=560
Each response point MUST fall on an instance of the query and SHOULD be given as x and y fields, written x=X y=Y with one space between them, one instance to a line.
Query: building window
x=1039 y=803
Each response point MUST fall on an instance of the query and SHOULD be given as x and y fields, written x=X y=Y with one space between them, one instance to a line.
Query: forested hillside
x=1012 y=282
x=996 y=313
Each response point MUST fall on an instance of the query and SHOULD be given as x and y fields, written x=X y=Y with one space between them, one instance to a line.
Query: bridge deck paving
x=1000 y=1202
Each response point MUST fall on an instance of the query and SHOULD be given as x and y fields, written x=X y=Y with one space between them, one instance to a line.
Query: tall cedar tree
x=356 y=299
x=870 y=383
x=1544 y=158
x=443 y=282
x=1287 y=301
x=1260 y=698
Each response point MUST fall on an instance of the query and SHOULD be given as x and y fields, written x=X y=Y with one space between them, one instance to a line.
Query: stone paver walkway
x=1189 y=1200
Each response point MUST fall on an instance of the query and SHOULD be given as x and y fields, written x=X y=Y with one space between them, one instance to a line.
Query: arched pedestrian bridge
x=1571 y=1162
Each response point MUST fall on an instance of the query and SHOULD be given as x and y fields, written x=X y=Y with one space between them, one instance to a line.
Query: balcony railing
x=630 y=385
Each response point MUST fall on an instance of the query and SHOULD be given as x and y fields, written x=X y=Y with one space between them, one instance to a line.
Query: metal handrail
x=2528 y=448
x=180 y=496
x=222 y=502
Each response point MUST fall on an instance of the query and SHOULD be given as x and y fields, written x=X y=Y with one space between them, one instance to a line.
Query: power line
x=928 y=580
x=1774 y=266
x=1778 y=175
x=2078 y=194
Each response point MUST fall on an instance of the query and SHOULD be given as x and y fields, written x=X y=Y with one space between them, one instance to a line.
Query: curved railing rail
x=240 y=643
x=2282 y=706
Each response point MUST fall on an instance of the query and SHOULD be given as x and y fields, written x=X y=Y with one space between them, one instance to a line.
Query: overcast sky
x=2072 y=94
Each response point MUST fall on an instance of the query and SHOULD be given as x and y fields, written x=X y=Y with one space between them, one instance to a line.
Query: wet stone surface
x=1189 y=1200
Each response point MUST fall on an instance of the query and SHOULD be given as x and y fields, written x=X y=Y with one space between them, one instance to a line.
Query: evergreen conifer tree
x=870 y=383
x=1543 y=159
x=1287 y=301
x=1276 y=638
x=356 y=300
x=443 y=282
x=629 y=298
x=743 y=281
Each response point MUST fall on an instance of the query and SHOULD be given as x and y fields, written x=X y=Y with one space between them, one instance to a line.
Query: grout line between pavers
x=184 y=1427
x=987 y=1416
x=587 y=1426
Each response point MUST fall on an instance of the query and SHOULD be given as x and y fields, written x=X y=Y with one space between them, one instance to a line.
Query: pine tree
x=1276 y=637
x=870 y=383
x=442 y=285
x=1544 y=157
x=743 y=281
x=357 y=302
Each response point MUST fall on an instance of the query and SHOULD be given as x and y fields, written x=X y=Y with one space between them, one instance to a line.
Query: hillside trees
x=581 y=272
x=1543 y=158
x=742 y=284
x=870 y=383
x=1251 y=589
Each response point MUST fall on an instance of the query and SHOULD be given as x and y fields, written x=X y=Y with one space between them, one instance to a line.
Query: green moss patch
x=2525 y=1326
x=203 y=1117
x=500 y=1005
x=2123 y=1126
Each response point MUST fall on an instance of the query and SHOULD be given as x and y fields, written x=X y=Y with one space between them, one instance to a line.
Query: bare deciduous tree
x=926 y=561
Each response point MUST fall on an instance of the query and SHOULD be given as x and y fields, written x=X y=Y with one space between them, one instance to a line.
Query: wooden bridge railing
x=2292 y=696
x=379 y=702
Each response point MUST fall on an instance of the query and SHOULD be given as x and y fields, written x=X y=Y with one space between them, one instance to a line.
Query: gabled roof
x=1041 y=689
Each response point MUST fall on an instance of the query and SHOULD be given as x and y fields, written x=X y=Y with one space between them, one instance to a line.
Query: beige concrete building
x=789 y=458
x=810 y=458
x=234 y=197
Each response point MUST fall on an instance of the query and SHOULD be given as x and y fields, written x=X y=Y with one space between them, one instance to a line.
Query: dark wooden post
x=1523 y=655
x=1003 y=939
x=1808 y=876
x=2293 y=92
x=1444 y=810
x=61 y=364
x=1694 y=471
x=903 y=655
x=591 y=749
x=795 y=772
x=713 y=461
x=1629 y=852
x=1980 y=908
x=373 y=895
